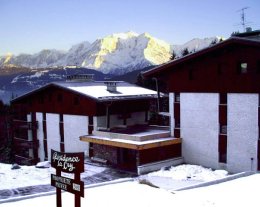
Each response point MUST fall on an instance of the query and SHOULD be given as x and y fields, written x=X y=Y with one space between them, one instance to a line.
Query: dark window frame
x=177 y=97
x=223 y=129
x=242 y=69
x=223 y=98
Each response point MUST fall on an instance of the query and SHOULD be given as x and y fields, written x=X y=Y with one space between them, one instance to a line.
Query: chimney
x=111 y=86
x=249 y=29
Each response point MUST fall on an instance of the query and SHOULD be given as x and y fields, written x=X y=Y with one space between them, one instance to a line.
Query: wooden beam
x=130 y=145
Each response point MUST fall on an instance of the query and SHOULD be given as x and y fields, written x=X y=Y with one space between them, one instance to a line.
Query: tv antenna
x=243 y=22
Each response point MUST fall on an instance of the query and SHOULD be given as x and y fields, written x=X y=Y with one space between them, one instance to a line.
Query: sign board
x=68 y=184
x=69 y=163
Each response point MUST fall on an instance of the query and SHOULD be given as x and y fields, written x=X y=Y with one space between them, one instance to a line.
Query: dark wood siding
x=57 y=100
x=61 y=101
x=159 y=154
x=216 y=72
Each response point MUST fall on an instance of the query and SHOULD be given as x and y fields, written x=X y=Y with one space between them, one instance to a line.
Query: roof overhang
x=128 y=144
x=171 y=64
x=99 y=99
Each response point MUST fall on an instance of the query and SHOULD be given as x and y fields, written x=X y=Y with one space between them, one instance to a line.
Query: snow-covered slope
x=117 y=54
x=195 y=45
x=74 y=56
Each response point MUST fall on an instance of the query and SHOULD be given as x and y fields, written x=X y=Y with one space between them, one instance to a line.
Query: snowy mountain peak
x=118 y=53
x=125 y=35
x=195 y=44
x=6 y=58
x=123 y=52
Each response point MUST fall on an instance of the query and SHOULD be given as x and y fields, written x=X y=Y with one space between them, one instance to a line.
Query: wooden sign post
x=69 y=163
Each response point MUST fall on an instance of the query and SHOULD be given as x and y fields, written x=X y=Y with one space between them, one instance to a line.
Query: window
x=223 y=98
x=61 y=117
x=222 y=146
x=259 y=133
x=177 y=97
x=223 y=129
x=242 y=67
x=44 y=116
x=177 y=124
x=90 y=119
x=61 y=125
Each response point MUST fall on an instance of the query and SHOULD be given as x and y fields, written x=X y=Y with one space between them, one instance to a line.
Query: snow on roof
x=98 y=90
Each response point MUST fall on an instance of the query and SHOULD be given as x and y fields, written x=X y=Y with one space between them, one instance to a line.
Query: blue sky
x=28 y=26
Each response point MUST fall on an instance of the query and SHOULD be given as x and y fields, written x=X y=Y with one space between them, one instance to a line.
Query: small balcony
x=25 y=124
x=135 y=133
x=138 y=137
x=25 y=144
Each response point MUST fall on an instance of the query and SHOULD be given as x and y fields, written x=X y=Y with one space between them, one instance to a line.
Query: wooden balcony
x=25 y=124
x=25 y=160
x=23 y=143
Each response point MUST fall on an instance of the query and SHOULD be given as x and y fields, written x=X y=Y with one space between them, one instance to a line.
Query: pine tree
x=185 y=52
x=173 y=55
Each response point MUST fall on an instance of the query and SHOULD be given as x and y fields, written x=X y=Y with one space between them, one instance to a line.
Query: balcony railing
x=25 y=124
x=23 y=143
x=25 y=160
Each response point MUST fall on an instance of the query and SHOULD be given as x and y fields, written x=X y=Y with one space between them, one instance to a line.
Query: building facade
x=106 y=120
x=214 y=104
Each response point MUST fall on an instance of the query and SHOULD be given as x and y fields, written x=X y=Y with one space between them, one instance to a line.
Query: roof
x=98 y=90
x=130 y=144
x=233 y=40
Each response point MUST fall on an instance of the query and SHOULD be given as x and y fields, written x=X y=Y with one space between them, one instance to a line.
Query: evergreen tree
x=185 y=52
x=173 y=55
x=234 y=33
x=213 y=42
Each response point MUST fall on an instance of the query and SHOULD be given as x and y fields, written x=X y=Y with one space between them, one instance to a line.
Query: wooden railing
x=25 y=160
x=25 y=124
x=23 y=143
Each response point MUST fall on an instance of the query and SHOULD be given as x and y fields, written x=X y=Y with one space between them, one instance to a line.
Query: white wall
x=40 y=136
x=200 y=128
x=53 y=133
x=74 y=127
x=242 y=132
x=171 y=111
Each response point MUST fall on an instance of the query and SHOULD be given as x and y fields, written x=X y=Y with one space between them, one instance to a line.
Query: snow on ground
x=239 y=192
x=190 y=172
x=182 y=176
x=169 y=179
x=30 y=175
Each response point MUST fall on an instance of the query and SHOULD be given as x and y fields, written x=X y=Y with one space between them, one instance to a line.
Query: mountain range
x=114 y=54
x=118 y=56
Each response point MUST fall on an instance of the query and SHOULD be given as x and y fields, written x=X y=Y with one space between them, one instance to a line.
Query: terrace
x=138 y=137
